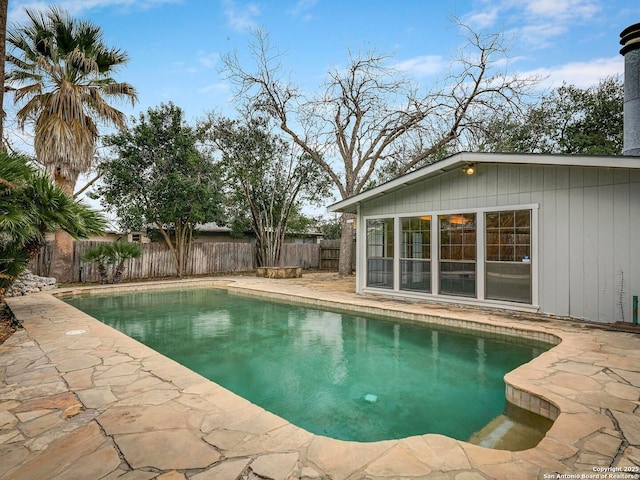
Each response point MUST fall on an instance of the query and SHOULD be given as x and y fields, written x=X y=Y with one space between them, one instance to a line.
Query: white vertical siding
x=634 y=236
x=606 y=276
x=562 y=246
x=576 y=241
x=621 y=252
x=588 y=235
x=548 y=260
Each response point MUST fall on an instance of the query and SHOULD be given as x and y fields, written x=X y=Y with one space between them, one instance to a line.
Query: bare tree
x=371 y=119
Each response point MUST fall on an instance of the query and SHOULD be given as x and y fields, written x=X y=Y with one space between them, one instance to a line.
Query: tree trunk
x=4 y=4
x=346 y=245
x=117 y=276
x=172 y=248
x=102 y=270
x=62 y=261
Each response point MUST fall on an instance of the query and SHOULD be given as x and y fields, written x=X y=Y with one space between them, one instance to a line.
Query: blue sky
x=175 y=45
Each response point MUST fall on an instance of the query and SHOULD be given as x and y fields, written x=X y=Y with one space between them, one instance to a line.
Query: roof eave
x=350 y=205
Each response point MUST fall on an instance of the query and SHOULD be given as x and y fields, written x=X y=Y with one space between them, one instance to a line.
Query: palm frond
x=60 y=71
x=31 y=206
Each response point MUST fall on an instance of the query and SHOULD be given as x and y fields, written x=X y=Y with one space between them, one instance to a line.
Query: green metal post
x=635 y=310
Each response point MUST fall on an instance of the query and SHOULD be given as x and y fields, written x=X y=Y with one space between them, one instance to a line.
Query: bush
x=111 y=256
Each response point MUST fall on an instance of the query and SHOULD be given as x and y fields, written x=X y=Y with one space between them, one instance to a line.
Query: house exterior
x=111 y=235
x=214 y=233
x=203 y=233
x=554 y=234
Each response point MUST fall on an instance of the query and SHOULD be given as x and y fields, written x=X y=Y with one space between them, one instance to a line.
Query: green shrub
x=111 y=256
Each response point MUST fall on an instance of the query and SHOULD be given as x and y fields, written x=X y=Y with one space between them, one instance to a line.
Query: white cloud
x=302 y=9
x=208 y=60
x=482 y=19
x=241 y=18
x=203 y=61
x=534 y=22
x=562 y=10
x=580 y=74
x=422 y=65
x=17 y=14
x=537 y=35
x=76 y=7
x=217 y=88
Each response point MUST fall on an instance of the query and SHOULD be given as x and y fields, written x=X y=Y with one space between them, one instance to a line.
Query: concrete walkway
x=79 y=400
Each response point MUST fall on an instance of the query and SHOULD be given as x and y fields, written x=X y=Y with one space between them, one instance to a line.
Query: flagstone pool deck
x=79 y=400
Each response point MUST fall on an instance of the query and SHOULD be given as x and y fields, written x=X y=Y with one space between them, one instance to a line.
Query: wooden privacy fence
x=305 y=255
x=330 y=255
x=157 y=260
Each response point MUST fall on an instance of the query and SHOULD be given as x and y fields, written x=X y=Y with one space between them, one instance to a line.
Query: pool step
x=504 y=433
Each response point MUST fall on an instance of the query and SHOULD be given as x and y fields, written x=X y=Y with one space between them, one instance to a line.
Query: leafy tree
x=112 y=255
x=31 y=205
x=267 y=180
x=161 y=178
x=60 y=74
x=299 y=223
x=569 y=120
x=330 y=228
x=369 y=116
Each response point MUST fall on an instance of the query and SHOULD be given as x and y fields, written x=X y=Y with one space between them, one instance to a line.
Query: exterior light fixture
x=469 y=169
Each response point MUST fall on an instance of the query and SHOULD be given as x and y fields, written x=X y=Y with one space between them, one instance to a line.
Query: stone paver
x=629 y=425
x=275 y=465
x=173 y=449
x=99 y=405
x=224 y=470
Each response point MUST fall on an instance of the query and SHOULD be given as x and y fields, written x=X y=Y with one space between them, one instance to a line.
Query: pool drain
x=370 y=398
x=75 y=332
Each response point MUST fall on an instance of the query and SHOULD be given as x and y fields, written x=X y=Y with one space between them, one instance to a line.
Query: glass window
x=415 y=256
x=508 y=258
x=380 y=253
x=458 y=254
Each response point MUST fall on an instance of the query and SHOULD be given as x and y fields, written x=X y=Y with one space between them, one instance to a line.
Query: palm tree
x=31 y=205
x=121 y=252
x=18 y=229
x=111 y=254
x=100 y=256
x=4 y=5
x=60 y=72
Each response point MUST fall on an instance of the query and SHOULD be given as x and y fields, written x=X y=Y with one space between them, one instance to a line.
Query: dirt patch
x=326 y=281
x=625 y=327
x=6 y=325
x=334 y=283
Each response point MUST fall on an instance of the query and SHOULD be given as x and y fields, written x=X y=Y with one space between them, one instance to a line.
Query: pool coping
x=590 y=383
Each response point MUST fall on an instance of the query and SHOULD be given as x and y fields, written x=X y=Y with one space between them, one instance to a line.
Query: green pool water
x=341 y=375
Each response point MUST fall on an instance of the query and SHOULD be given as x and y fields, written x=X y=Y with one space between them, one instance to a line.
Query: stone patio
x=79 y=400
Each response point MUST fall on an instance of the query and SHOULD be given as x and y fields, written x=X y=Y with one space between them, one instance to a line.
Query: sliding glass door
x=380 y=253
x=458 y=254
x=447 y=255
x=415 y=255
x=508 y=257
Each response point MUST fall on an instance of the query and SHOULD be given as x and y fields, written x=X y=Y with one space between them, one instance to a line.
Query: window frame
x=480 y=298
x=510 y=257
x=423 y=261
x=386 y=247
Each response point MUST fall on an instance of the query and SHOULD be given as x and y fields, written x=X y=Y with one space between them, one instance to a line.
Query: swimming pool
x=340 y=375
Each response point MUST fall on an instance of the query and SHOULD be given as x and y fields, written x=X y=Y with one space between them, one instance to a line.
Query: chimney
x=630 y=41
